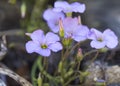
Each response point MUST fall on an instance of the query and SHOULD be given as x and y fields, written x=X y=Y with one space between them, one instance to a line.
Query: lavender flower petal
x=95 y=34
x=44 y=52
x=70 y=25
x=98 y=45
x=51 y=38
x=111 y=38
x=37 y=35
x=50 y=14
x=52 y=19
x=79 y=38
x=66 y=7
x=74 y=30
x=31 y=46
x=111 y=42
x=61 y=6
x=53 y=25
x=78 y=7
x=110 y=33
x=55 y=47
x=82 y=32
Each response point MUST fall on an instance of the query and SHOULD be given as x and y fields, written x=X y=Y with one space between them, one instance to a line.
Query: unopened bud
x=23 y=10
x=61 y=31
x=60 y=66
x=79 y=54
x=66 y=42
x=39 y=80
x=28 y=34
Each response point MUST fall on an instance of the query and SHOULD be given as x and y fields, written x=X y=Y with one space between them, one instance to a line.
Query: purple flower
x=100 y=40
x=43 y=44
x=73 y=30
x=66 y=7
x=52 y=19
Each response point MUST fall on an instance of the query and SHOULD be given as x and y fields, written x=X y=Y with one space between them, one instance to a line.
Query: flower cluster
x=71 y=28
x=67 y=33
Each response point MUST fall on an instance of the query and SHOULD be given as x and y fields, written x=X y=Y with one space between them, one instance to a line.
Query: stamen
x=79 y=20
x=100 y=39
x=44 y=46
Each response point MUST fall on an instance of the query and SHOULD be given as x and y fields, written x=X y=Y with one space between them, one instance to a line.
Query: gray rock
x=110 y=74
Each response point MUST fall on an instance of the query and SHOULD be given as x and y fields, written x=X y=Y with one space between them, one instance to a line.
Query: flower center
x=44 y=46
x=100 y=39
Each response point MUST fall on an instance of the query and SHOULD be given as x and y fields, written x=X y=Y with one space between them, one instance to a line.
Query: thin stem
x=70 y=79
x=62 y=54
x=45 y=63
x=78 y=65
x=88 y=53
x=33 y=72
x=76 y=45
x=39 y=63
x=93 y=59
x=66 y=54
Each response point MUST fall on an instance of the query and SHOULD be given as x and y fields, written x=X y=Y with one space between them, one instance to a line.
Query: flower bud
x=67 y=41
x=23 y=10
x=60 y=66
x=28 y=34
x=79 y=55
x=39 y=80
x=61 y=31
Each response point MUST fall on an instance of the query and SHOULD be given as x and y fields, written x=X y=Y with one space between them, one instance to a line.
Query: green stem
x=93 y=59
x=78 y=65
x=71 y=79
x=39 y=63
x=66 y=54
x=62 y=62
x=90 y=52
x=45 y=63
x=76 y=45
x=47 y=75
x=33 y=72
